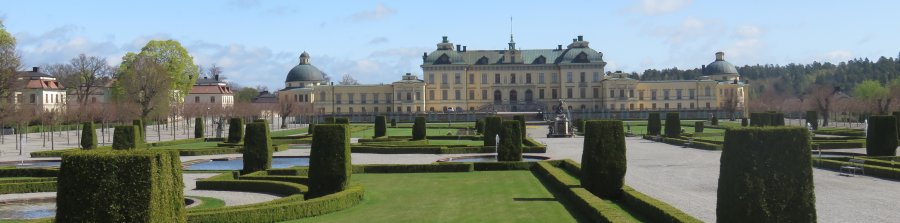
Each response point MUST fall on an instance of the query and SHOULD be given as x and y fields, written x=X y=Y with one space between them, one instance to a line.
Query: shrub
x=812 y=117
x=141 y=129
x=698 y=126
x=491 y=129
x=418 y=130
x=897 y=118
x=28 y=186
x=714 y=121
x=766 y=176
x=380 y=126
x=257 y=148
x=510 y=148
x=393 y=122
x=767 y=119
x=344 y=121
x=479 y=126
x=881 y=137
x=329 y=120
x=329 y=163
x=744 y=122
x=198 y=128
x=311 y=128
x=603 y=158
x=119 y=186
x=654 y=125
x=414 y=168
x=88 y=136
x=235 y=130
x=126 y=137
x=521 y=119
x=579 y=125
x=673 y=125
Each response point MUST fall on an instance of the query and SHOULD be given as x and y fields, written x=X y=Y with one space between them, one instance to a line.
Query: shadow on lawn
x=534 y=199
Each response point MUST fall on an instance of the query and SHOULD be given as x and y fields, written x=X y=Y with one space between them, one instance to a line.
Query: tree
x=873 y=92
x=821 y=98
x=245 y=94
x=90 y=72
x=178 y=66
x=348 y=80
x=286 y=108
x=141 y=84
x=10 y=63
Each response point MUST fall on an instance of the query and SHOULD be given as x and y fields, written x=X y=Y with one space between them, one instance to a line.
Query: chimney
x=464 y=49
x=35 y=69
x=217 y=77
x=702 y=68
x=580 y=38
x=445 y=39
x=458 y=48
x=574 y=40
x=720 y=56
x=559 y=47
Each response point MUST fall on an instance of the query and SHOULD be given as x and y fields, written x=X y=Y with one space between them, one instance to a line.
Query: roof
x=720 y=66
x=34 y=73
x=43 y=84
x=210 y=89
x=305 y=71
x=265 y=97
x=529 y=56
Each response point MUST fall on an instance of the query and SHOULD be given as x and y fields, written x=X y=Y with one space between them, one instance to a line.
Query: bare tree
x=821 y=99
x=146 y=85
x=286 y=108
x=214 y=70
x=90 y=72
x=348 y=80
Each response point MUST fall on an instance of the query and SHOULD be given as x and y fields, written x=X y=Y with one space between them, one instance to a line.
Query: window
x=568 y=92
x=337 y=98
x=362 y=98
x=553 y=78
x=707 y=103
x=553 y=93
x=630 y=106
x=471 y=78
x=458 y=97
x=581 y=92
x=641 y=95
x=653 y=95
x=430 y=94
x=388 y=98
x=444 y=95
x=528 y=78
x=708 y=93
x=484 y=78
x=431 y=78
x=444 y=79
x=692 y=105
x=582 y=77
x=389 y=109
x=196 y=99
x=612 y=107
x=541 y=93
x=456 y=79
x=375 y=99
x=338 y=110
x=408 y=109
x=621 y=93
x=350 y=98
x=350 y=110
x=569 y=77
x=418 y=95
x=641 y=106
x=484 y=95
x=408 y=96
x=471 y=94
x=540 y=78
x=667 y=106
x=596 y=76
x=666 y=94
x=678 y=94
x=691 y=93
x=496 y=78
x=631 y=93
x=376 y=110
x=596 y=92
x=612 y=93
x=678 y=106
x=653 y=106
x=418 y=108
x=512 y=78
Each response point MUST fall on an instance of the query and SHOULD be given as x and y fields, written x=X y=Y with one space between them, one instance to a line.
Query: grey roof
x=551 y=56
x=719 y=67
x=305 y=72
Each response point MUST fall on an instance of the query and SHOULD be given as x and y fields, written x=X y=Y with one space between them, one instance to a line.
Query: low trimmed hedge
x=414 y=168
x=871 y=170
x=27 y=187
x=841 y=132
x=264 y=175
x=697 y=144
x=88 y=136
x=288 y=208
x=28 y=172
x=226 y=182
x=26 y=180
x=176 y=142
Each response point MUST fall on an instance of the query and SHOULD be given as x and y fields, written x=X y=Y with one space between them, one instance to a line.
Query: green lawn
x=288 y=132
x=368 y=133
x=207 y=202
x=455 y=142
x=484 y=196
x=196 y=145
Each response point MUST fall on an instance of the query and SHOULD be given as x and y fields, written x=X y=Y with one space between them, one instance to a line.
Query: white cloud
x=378 y=40
x=836 y=56
x=748 y=46
x=380 y=12
x=658 y=7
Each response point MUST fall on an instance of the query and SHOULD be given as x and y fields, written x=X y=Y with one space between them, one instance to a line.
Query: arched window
x=581 y=58
x=498 y=98
x=513 y=97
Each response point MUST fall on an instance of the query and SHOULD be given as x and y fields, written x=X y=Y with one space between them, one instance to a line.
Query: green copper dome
x=305 y=71
x=720 y=66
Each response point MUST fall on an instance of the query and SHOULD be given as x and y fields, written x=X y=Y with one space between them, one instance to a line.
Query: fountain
x=560 y=126
x=238 y=163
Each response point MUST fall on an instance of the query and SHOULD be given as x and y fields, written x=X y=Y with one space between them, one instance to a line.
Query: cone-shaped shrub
x=311 y=129
x=235 y=130
x=510 y=148
x=198 y=128
x=491 y=129
x=521 y=119
x=479 y=126
x=673 y=125
x=812 y=117
x=120 y=186
x=257 y=148
x=654 y=125
x=715 y=120
x=380 y=126
x=698 y=126
x=745 y=122
x=603 y=163
x=345 y=121
x=393 y=122
x=897 y=118
x=881 y=137
x=142 y=135
x=418 y=131
x=579 y=125
x=329 y=120
x=88 y=136
x=126 y=137
x=329 y=160
x=766 y=176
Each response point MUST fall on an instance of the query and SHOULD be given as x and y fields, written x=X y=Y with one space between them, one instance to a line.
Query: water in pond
x=490 y=158
x=237 y=164
x=28 y=210
x=33 y=164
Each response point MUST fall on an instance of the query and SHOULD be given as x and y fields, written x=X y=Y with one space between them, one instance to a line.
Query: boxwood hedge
x=673 y=125
x=393 y=122
x=120 y=186
x=521 y=119
x=235 y=130
x=198 y=128
x=510 y=148
x=329 y=162
x=88 y=136
x=418 y=130
x=344 y=121
x=603 y=158
x=380 y=126
x=491 y=129
x=897 y=118
x=766 y=176
x=126 y=137
x=698 y=126
x=881 y=137
x=812 y=117
x=479 y=126
x=142 y=129
x=654 y=124
x=257 y=148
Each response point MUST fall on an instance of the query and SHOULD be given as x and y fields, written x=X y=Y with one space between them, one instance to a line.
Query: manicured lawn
x=207 y=202
x=455 y=142
x=368 y=133
x=198 y=145
x=484 y=196
x=288 y=132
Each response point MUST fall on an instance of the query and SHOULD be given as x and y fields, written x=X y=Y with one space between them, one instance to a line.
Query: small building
x=39 y=91
x=210 y=92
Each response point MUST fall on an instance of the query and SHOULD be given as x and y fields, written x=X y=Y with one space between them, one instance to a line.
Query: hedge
x=510 y=148
x=521 y=119
x=264 y=175
x=603 y=158
x=225 y=182
x=881 y=137
x=698 y=126
x=745 y=122
x=329 y=163
x=504 y=165
x=380 y=126
x=28 y=172
x=714 y=121
x=344 y=121
x=27 y=187
x=175 y=142
x=871 y=170
x=120 y=186
x=142 y=129
x=697 y=143
x=598 y=210
x=491 y=130
x=311 y=128
x=393 y=122
x=235 y=130
x=88 y=136
x=812 y=118
x=673 y=125
x=418 y=130
x=283 y=209
x=654 y=124
x=654 y=209
x=198 y=128
x=126 y=137
x=766 y=176
x=897 y=119
x=257 y=148
x=413 y=168
x=479 y=126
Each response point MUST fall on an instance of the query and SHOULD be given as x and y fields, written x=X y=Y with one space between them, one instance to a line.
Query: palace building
x=518 y=80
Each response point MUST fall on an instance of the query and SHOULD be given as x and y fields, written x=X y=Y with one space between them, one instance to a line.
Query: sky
x=257 y=42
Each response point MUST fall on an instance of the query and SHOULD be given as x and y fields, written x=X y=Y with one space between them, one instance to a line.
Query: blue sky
x=258 y=42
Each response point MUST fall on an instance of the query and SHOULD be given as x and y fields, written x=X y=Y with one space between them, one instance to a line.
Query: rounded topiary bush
x=766 y=176
x=418 y=131
x=510 y=148
x=394 y=122
x=521 y=119
x=126 y=137
x=491 y=129
x=235 y=130
x=88 y=136
x=329 y=162
x=812 y=117
x=745 y=122
x=715 y=120
x=329 y=120
x=257 y=148
x=198 y=128
x=673 y=125
x=603 y=162
x=654 y=124
x=881 y=137
x=698 y=126
x=380 y=126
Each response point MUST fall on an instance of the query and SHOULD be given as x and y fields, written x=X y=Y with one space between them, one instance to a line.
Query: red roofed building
x=40 y=91
x=211 y=92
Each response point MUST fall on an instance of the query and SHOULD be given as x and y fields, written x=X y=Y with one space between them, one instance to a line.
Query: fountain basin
x=238 y=163
x=31 y=163
x=28 y=209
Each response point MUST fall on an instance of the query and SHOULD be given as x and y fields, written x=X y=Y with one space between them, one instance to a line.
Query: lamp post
x=207 y=116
